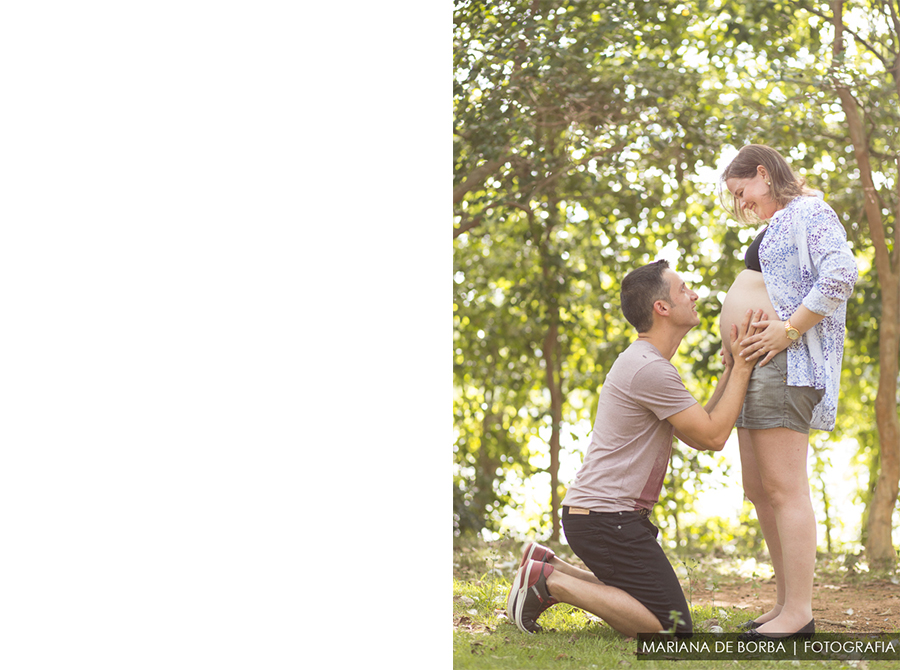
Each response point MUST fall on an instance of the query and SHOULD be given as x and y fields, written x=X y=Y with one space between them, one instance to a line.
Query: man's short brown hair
x=641 y=288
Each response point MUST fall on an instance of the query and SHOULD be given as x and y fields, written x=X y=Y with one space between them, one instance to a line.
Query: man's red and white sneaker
x=536 y=552
x=533 y=552
x=532 y=596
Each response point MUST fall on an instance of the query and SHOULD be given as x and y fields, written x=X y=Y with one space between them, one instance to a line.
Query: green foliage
x=585 y=141
x=570 y=163
x=685 y=529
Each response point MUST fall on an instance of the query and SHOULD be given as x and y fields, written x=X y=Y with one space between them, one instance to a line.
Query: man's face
x=683 y=301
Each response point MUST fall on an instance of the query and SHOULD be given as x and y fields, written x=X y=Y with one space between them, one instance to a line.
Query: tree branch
x=895 y=19
x=831 y=19
x=468 y=225
x=897 y=206
x=571 y=166
x=477 y=177
x=885 y=261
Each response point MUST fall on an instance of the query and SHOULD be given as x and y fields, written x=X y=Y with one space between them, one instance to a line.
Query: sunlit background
x=690 y=84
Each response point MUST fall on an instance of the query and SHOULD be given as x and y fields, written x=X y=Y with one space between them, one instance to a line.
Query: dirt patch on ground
x=861 y=606
x=845 y=600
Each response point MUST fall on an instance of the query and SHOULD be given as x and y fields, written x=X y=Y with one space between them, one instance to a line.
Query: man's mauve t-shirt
x=626 y=461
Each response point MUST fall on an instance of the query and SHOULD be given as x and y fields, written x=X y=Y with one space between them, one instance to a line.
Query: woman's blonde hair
x=785 y=184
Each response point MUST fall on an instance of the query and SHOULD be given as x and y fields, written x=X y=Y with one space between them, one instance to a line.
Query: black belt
x=644 y=513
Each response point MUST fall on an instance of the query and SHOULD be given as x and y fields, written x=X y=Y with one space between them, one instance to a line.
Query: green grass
x=572 y=638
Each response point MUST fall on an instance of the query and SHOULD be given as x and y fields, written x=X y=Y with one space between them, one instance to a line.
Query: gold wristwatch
x=790 y=331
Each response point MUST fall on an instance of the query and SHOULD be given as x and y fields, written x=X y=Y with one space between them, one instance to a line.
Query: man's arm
x=707 y=428
x=714 y=398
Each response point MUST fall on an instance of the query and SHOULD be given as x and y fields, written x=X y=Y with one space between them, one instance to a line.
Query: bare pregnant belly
x=747 y=292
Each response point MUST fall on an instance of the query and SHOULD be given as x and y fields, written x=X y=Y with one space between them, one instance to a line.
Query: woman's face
x=753 y=194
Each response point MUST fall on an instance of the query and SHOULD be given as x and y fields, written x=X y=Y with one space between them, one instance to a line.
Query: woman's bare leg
x=755 y=492
x=780 y=456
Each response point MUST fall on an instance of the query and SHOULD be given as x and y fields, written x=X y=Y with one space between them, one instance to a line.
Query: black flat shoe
x=750 y=625
x=755 y=636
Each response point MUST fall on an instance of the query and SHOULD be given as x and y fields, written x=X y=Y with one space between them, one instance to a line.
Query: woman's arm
x=831 y=258
x=836 y=274
x=774 y=338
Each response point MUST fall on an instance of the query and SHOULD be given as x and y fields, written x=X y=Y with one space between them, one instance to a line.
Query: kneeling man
x=643 y=403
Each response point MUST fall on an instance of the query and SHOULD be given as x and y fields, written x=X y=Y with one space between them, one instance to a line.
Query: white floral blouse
x=805 y=259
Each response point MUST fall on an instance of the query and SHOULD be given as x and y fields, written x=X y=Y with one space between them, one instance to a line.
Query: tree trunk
x=552 y=358
x=550 y=351
x=879 y=547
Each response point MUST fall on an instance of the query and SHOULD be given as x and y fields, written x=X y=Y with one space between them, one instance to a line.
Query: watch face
x=793 y=333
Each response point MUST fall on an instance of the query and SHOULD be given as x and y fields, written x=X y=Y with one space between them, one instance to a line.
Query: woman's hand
x=770 y=339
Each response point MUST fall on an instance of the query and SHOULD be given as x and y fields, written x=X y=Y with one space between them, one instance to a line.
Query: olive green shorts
x=771 y=403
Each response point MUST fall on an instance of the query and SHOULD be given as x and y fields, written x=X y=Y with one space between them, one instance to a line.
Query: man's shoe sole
x=513 y=593
x=520 y=602
x=511 y=599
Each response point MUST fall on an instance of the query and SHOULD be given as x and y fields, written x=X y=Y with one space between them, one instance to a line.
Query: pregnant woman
x=800 y=272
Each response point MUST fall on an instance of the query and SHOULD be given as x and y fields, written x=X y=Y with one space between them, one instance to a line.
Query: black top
x=751 y=258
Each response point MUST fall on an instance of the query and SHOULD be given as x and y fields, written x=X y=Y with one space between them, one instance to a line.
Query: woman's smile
x=753 y=194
